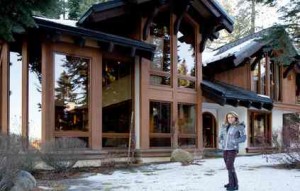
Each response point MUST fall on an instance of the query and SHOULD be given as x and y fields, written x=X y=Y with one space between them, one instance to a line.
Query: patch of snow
x=240 y=49
x=71 y=23
x=254 y=173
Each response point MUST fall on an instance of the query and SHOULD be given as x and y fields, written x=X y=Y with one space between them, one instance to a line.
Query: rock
x=24 y=182
x=179 y=155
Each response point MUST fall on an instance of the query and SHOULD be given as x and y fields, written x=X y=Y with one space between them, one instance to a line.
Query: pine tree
x=78 y=7
x=16 y=15
x=65 y=89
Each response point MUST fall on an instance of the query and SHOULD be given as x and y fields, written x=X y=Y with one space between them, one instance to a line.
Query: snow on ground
x=254 y=173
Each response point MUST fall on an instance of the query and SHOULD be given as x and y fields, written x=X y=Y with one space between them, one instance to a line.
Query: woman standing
x=232 y=133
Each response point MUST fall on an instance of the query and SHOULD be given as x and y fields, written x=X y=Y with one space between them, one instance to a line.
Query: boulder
x=24 y=182
x=180 y=155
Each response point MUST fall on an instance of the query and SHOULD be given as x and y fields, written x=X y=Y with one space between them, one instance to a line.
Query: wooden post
x=25 y=90
x=4 y=89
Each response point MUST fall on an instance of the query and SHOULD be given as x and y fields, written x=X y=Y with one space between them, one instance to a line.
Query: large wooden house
x=248 y=76
x=147 y=56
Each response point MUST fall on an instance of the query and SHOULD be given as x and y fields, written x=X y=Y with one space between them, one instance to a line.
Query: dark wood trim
x=146 y=29
x=180 y=16
x=115 y=135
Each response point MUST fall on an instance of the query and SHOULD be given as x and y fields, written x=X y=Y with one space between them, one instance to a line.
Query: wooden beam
x=245 y=103
x=148 y=22
x=268 y=77
x=180 y=17
x=288 y=69
x=257 y=105
x=80 y=41
x=25 y=91
x=256 y=60
x=4 y=89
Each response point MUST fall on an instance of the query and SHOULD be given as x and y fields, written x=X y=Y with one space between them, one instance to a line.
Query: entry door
x=209 y=130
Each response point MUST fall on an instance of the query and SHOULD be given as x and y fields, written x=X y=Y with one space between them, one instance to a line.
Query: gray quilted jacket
x=230 y=139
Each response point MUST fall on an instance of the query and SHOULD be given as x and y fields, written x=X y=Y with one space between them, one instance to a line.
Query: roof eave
x=144 y=49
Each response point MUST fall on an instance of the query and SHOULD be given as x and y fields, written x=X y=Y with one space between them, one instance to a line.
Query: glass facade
x=35 y=94
x=15 y=89
x=71 y=92
x=117 y=82
x=186 y=61
x=160 y=124
x=186 y=125
x=160 y=37
x=260 y=130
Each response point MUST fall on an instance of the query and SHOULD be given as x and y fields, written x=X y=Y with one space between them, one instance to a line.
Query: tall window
x=275 y=81
x=160 y=124
x=117 y=83
x=71 y=93
x=35 y=93
x=160 y=37
x=209 y=130
x=186 y=60
x=258 y=77
x=15 y=89
x=187 y=125
x=260 y=130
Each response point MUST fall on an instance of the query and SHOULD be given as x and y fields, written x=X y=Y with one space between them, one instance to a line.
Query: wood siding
x=289 y=89
x=238 y=76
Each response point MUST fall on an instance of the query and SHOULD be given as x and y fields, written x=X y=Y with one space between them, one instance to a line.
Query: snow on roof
x=71 y=23
x=240 y=49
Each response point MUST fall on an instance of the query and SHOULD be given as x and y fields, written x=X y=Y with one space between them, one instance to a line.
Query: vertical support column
x=95 y=103
x=25 y=90
x=174 y=76
x=137 y=101
x=145 y=104
x=4 y=89
x=267 y=75
x=259 y=90
x=199 y=125
x=48 y=105
x=144 y=141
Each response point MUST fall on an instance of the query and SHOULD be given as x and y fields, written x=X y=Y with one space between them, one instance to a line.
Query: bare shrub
x=61 y=153
x=13 y=155
x=289 y=152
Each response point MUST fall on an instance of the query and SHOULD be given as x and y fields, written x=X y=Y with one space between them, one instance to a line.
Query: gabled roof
x=236 y=53
x=223 y=93
x=132 y=47
x=209 y=9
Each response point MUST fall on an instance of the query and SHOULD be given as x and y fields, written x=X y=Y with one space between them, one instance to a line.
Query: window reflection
x=71 y=92
x=116 y=102
x=187 y=124
x=160 y=37
x=186 y=61
x=260 y=132
x=160 y=122
x=15 y=90
x=35 y=94
x=186 y=118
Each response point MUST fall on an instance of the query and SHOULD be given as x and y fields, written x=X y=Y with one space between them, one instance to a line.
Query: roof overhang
x=223 y=93
x=106 y=41
x=205 y=8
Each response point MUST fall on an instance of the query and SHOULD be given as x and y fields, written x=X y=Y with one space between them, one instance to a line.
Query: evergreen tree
x=77 y=70
x=65 y=90
x=16 y=15
x=291 y=17
x=78 y=7
x=74 y=9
